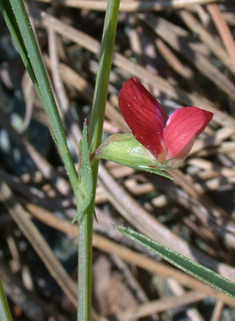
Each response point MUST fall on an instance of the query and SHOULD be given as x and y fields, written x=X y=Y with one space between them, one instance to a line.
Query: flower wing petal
x=144 y=115
x=182 y=128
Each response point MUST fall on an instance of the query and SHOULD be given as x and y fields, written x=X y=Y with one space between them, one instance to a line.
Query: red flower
x=168 y=139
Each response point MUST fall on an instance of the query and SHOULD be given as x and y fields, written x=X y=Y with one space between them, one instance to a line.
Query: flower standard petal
x=144 y=115
x=182 y=128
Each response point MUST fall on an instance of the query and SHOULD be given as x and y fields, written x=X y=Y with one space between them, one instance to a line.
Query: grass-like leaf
x=85 y=186
x=197 y=270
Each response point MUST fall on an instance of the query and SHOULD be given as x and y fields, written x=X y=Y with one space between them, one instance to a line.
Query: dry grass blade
x=173 y=61
x=29 y=94
x=43 y=165
x=223 y=29
x=192 y=313
x=73 y=79
x=38 y=242
x=34 y=308
x=180 y=40
x=130 y=6
x=217 y=311
x=201 y=32
x=160 y=305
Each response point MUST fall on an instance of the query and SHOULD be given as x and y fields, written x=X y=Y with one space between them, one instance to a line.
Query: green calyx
x=124 y=149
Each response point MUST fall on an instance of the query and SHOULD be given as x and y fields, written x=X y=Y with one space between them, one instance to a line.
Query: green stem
x=5 y=314
x=96 y=126
x=85 y=229
x=102 y=81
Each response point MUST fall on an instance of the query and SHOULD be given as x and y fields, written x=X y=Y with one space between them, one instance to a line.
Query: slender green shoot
x=95 y=135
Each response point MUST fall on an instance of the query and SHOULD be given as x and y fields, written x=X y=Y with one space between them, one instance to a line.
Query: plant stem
x=96 y=127
x=102 y=81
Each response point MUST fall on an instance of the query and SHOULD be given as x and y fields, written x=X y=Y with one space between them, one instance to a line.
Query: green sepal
x=85 y=187
x=124 y=149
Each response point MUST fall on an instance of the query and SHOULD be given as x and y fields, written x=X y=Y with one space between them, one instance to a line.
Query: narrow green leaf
x=85 y=187
x=5 y=314
x=34 y=61
x=197 y=270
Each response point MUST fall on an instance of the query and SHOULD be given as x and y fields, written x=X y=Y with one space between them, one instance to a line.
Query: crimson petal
x=144 y=115
x=182 y=128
